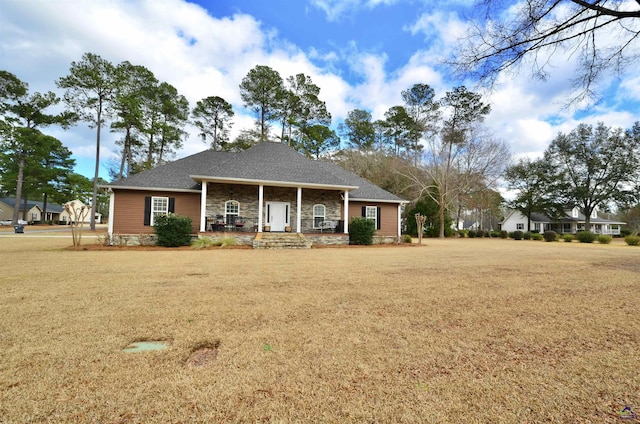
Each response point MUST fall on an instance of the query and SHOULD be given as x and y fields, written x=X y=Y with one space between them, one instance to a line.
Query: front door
x=277 y=215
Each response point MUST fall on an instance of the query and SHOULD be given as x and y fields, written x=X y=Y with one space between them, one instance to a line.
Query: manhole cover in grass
x=203 y=353
x=146 y=346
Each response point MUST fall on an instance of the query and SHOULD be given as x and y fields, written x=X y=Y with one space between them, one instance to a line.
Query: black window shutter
x=364 y=211
x=172 y=204
x=378 y=218
x=147 y=210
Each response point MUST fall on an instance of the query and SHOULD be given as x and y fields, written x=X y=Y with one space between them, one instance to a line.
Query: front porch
x=243 y=224
x=237 y=208
x=573 y=228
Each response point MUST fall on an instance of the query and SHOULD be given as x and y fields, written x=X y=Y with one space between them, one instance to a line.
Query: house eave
x=357 y=199
x=140 y=188
x=209 y=179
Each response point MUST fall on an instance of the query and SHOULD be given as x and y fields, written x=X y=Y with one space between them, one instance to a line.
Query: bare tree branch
x=603 y=33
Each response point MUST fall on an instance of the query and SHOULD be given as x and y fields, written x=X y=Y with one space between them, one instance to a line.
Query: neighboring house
x=32 y=213
x=269 y=187
x=67 y=218
x=571 y=223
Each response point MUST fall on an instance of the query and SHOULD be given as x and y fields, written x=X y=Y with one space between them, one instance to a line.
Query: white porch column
x=346 y=212
x=260 y=208
x=112 y=198
x=399 y=221
x=299 y=210
x=203 y=207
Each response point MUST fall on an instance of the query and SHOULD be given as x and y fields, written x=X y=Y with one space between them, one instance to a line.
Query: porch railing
x=247 y=224
x=232 y=224
x=322 y=226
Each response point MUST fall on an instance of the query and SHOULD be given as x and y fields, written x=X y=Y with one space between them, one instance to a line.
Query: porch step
x=281 y=241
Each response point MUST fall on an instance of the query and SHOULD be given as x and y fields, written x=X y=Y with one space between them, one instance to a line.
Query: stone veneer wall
x=386 y=240
x=328 y=240
x=247 y=240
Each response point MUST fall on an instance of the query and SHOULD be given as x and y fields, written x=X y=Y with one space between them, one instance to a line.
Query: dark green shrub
x=172 y=230
x=496 y=234
x=625 y=232
x=527 y=235
x=604 y=239
x=406 y=238
x=585 y=236
x=550 y=235
x=537 y=236
x=632 y=240
x=480 y=233
x=434 y=231
x=463 y=233
x=472 y=233
x=504 y=234
x=361 y=231
x=567 y=237
x=517 y=235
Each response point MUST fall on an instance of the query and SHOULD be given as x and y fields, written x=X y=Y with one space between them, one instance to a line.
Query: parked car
x=10 y=222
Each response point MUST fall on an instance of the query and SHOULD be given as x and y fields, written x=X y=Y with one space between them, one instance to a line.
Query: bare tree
x=603 y=33
x=77 y=215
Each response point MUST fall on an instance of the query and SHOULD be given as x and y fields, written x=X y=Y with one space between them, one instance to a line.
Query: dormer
x=594 y=212
x=575 y=212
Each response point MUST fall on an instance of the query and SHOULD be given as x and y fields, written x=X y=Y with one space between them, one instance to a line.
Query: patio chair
x=329 y=226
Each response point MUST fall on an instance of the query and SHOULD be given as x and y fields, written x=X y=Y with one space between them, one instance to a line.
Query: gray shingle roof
x=175 y=175
x=265 y=162
x=51 y=207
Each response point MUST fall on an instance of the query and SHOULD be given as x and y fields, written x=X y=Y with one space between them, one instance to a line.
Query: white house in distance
x=66 y=218
x=571 y=223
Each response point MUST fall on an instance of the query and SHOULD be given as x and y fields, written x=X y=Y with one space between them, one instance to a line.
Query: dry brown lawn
x=473 y=331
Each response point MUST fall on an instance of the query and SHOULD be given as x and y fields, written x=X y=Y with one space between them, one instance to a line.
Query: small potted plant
x=267 y=228
x=287 y=229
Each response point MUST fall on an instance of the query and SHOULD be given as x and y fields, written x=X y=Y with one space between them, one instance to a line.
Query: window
x=159 y=206
x=155 y=206
x=318 y=215
x=372 y=213
x=520 y=226
x=232 y=208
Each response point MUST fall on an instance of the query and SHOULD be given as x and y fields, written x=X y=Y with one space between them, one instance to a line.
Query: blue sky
x=362 y=53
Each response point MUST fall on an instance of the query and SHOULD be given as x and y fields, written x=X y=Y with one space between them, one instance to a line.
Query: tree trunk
x=587 y=218
x=44 y=209
x=16 y=206
x=24 y=207
x=94 y=199
x=441 y=211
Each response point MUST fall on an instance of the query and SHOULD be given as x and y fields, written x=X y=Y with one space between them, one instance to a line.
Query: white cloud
x=203 y=56
x=336 y=9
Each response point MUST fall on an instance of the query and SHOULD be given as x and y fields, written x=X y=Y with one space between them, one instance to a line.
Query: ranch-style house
x=572 y=222
x=269 y=188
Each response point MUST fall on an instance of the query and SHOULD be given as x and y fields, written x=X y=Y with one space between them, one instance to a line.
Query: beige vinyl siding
x=388 y=216
x=129 y=210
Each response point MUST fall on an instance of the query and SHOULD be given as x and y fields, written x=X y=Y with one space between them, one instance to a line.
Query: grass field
x=473 y=331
